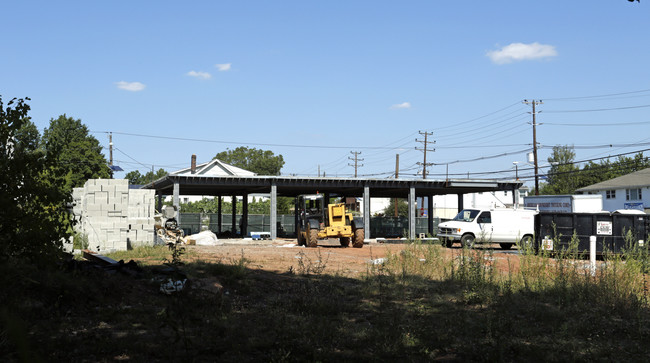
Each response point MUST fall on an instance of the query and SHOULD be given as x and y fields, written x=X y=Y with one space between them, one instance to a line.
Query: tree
x=136 y=178
x=33 y=217
x=262 y=162
x=562 y=177
x=402 y=208
x=79 y=154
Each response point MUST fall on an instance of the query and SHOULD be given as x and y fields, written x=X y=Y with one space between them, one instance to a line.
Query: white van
x=503 y=226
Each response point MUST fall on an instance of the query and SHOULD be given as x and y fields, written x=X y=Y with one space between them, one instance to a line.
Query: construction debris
x=130 y=268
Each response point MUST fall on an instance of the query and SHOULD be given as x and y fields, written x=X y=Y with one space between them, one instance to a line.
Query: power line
x=598 y=96
x=597 y=109
x=607 y=124
x=246 y=143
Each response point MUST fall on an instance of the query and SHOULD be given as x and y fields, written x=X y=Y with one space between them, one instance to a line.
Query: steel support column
x=366 y=211
x=176 y=201
x=219 y=215
x=244 y=216
x=274 y=211
x=430 y=214
x=412 y=208
x=233 y=226
x=460 y=202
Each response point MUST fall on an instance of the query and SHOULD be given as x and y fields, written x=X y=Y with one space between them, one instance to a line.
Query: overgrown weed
x=307 y=266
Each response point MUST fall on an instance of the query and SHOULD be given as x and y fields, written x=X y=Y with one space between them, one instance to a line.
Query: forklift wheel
x=359 y=236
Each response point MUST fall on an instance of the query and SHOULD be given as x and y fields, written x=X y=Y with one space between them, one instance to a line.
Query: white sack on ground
x=206 y=238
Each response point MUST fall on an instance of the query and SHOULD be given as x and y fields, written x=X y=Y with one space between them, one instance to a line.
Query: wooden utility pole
x=425 y=149
x=534 y=103
x=356 y=161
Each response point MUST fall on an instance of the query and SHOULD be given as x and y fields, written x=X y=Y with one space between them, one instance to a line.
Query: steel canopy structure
x=289 y=186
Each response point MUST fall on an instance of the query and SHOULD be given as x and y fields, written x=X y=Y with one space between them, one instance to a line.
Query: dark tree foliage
x=33 y=217
x=402 y=208
x=136 y=178
x=261 y=162
x=564 y=177
x=211 y=205
x=78 y=153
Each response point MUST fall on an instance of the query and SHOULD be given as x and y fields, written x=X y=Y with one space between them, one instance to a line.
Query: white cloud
x=520 y=51
x=223 y=67
x=201 y=75
x=401 y=105
x=130 y=86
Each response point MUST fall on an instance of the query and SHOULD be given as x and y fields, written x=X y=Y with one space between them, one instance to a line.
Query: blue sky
x=314 y=81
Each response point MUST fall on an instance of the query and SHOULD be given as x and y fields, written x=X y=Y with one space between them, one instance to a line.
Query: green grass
x=417 y=306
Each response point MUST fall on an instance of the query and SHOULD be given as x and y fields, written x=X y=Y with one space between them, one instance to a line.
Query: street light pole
x=516 y=170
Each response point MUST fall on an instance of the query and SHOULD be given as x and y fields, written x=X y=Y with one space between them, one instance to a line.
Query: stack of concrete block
x=113 y=216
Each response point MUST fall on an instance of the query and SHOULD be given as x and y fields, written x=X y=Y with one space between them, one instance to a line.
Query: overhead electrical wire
x=597 y=109
x=597 y=96
x=245 y=143
x=599 y=124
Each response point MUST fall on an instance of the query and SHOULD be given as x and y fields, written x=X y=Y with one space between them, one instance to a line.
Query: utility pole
x=534 y=103
x=110 y=148
x=424 y=149
x=396 y=177
x=356 y=161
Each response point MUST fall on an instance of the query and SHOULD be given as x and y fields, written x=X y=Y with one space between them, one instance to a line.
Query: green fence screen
x=386 y=227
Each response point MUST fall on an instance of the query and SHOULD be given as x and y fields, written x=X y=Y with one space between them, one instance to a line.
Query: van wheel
x=505 y=246
x=526 y=242
x=467 y=241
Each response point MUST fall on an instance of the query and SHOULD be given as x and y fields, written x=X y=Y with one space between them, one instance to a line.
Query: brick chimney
x=193 y=167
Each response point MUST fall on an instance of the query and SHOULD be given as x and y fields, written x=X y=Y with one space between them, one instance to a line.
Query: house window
x=610 y=194
x=633 y=194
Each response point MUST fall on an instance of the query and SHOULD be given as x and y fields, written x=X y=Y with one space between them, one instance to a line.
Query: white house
x=631 y=191
x=215 y=167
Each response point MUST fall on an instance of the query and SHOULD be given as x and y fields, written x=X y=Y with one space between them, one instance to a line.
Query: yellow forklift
x=318 y=219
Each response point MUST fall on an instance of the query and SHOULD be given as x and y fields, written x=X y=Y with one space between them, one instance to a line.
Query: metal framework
x=275 y=186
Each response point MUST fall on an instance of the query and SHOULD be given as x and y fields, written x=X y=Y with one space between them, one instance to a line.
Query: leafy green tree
x=33 y=217
x=211 y=205
x=262 y=162
x=79 y=154
x=136 y=178
x=562 y=177
x=402 y=208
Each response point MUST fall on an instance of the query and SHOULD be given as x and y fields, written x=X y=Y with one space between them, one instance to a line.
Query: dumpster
x=554 y=230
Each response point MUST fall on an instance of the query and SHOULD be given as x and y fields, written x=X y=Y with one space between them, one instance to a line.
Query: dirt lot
x=282 y=255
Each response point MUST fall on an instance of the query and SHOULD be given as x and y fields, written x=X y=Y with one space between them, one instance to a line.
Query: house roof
x=215 y=167
x=637 y=179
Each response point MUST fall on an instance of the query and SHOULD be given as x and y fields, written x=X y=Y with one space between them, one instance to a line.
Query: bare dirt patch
x=284 y=255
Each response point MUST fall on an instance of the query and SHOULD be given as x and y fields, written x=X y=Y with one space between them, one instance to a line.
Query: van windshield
x=466 y=215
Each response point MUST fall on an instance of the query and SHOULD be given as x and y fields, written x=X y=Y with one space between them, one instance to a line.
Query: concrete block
x=92 y=188
x=119 y=182
x=101 y=197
